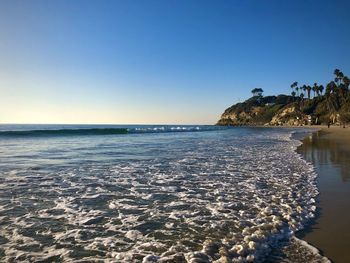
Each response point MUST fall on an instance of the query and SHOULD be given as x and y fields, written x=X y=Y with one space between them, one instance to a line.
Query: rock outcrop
x=330 y=107
x=257 y=110
x=278 y=111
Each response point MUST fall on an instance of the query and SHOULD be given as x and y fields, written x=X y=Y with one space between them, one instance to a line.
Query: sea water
x=153 y=194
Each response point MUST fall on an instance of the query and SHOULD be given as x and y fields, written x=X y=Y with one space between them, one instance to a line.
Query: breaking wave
x=64 y=132
x=104 y=131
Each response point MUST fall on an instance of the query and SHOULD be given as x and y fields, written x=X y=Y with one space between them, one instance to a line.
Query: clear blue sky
x=160 y=61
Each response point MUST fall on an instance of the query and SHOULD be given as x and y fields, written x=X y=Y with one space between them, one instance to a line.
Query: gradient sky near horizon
x=160 y=61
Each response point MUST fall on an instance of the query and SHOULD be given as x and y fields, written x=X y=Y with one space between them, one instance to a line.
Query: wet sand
x=329 y=151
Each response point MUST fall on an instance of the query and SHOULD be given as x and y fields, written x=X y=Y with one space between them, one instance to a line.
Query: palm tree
x=315 y=88
x=342 y=85
x=304 y=88
x=308 y=89
x=346 y=81
x=294 y=86
x=320 y=89
x=331 y=88
x=336 y=73
x=342 y=91
x=338 y=76
x=293 y=94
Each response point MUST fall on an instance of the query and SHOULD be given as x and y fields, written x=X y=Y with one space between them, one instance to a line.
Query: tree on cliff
x=304 y=89
x=320 y=89
x=257 y=92
x=293 y=94
x=315 y=89
x=308 y=89
x=295 y=86
x=346 y=81
x=338 y=76
x=331 y=88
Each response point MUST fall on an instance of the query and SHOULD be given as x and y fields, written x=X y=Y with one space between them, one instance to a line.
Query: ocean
x=154 y=193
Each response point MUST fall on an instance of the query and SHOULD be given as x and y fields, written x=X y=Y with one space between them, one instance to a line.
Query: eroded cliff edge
x=283 y=110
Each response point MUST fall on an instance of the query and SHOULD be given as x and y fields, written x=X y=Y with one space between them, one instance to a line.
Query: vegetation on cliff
x=307 y=104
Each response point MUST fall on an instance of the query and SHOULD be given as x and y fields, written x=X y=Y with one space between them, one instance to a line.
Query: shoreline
x=328 y=149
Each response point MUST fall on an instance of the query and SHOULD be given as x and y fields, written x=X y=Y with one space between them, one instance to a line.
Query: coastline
x=328 y=149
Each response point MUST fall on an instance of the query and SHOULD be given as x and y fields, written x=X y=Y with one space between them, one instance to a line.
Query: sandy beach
x=329 y=151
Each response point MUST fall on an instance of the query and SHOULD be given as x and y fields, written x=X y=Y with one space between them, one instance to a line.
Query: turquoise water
x=152 y=194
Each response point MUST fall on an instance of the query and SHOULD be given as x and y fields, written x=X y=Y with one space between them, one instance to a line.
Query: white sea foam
x=213 y=199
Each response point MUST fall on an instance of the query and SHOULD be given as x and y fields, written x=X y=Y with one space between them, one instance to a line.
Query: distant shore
x=329 y=151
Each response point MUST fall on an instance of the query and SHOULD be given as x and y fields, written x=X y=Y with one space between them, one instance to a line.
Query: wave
x=64 y=132
x=235 y=198
x=297 y=251
x=104 y=131
x=226 y=198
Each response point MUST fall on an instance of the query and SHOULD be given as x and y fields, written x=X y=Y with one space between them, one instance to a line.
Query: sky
x=160 y=61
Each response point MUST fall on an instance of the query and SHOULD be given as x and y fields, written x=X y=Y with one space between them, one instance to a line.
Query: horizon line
x=8 y=123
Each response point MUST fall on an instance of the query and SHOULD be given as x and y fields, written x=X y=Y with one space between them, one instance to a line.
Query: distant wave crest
x=65 y=132
x=102 y=131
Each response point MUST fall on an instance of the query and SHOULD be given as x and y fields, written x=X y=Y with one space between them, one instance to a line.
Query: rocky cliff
x=331 y=107
x=282 y=110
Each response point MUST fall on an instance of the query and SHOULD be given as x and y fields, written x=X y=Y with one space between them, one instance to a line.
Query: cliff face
x=281 y=110
x=291 y=115
x=255 y=111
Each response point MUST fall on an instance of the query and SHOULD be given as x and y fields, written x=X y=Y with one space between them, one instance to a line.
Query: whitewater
x=154 y=194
